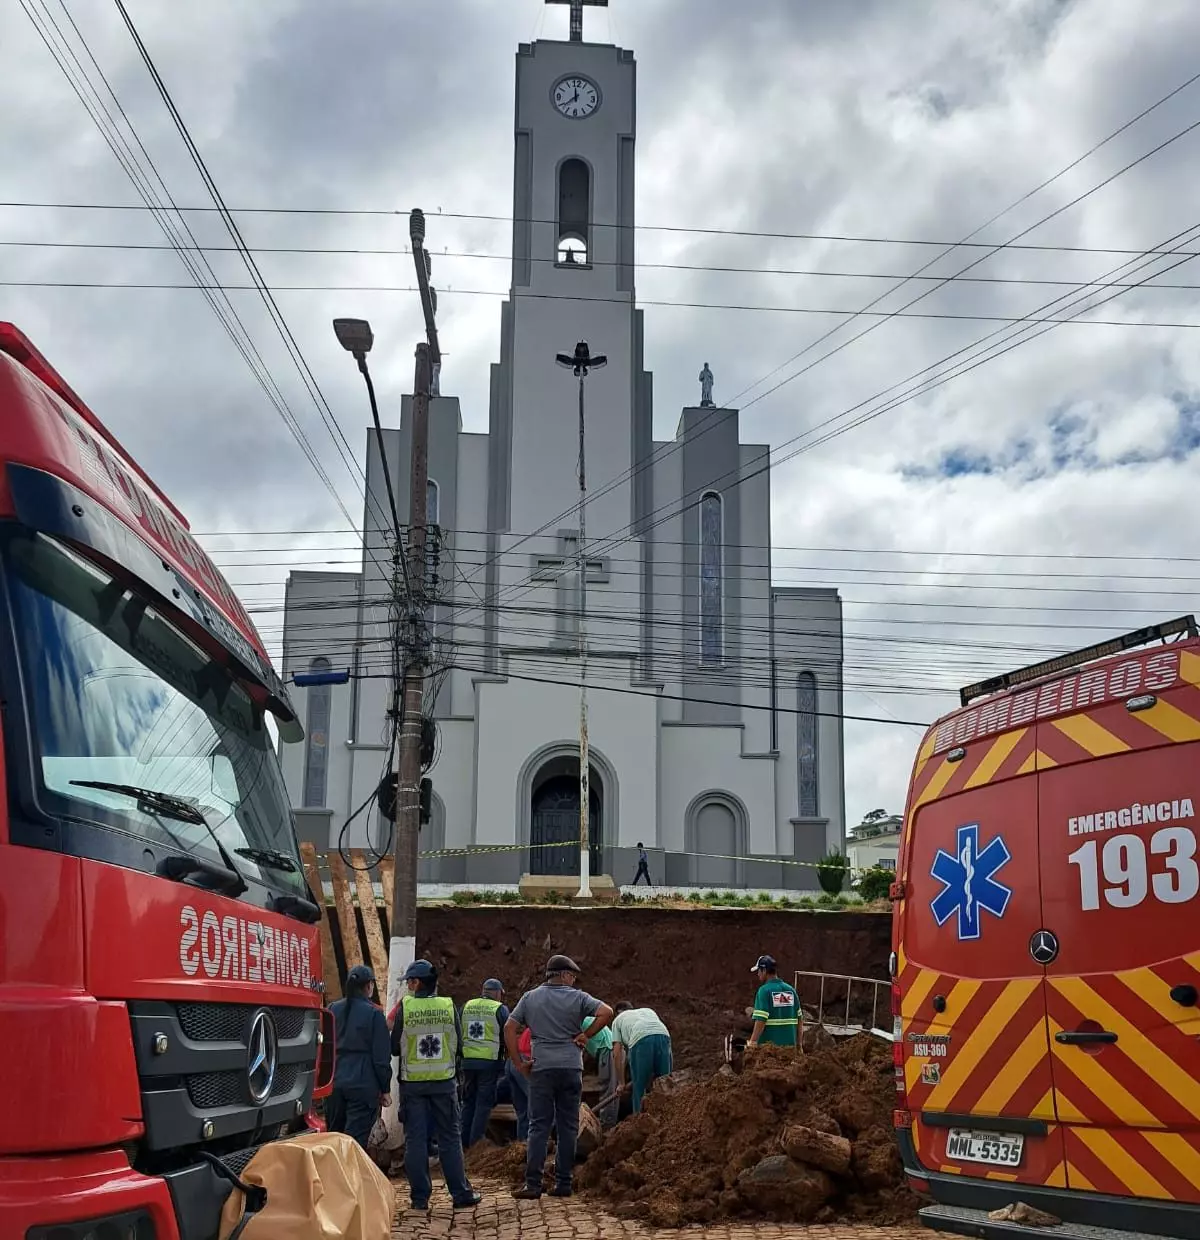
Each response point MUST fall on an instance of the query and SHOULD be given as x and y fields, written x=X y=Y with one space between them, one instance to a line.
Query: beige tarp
x=320 y=1186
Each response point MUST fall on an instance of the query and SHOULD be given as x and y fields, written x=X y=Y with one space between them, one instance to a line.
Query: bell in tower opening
x=574 y=200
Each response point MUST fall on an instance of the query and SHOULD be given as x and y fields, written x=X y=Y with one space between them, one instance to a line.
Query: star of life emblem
x=969 y=884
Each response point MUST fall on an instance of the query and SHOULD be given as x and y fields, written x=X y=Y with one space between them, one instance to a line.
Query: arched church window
x=433 y=502
x=806 y=744
x=574 y=212
x=712 y=585
x=316 y=741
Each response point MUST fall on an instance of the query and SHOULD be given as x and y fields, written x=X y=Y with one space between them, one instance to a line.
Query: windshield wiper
x=270 y=857
x=153 y=801
x=159 y=802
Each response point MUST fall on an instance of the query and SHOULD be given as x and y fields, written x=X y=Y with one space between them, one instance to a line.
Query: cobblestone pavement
x=500 y=1217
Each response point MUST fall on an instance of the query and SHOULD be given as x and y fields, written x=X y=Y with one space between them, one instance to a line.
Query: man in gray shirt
x=554 y=1013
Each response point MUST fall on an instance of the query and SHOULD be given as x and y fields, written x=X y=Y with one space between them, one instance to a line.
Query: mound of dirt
x=793 y=1138
x=621 y=951
x=497 y=1162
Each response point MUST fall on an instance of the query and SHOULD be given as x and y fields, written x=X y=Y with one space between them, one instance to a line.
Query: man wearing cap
x=427 y=1036
x=482 y=1058
x=776 y=1008
x=553 y=1013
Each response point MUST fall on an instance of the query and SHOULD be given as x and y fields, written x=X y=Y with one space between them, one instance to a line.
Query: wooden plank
x=347 y=922
x=387 y=870
x=370 y=915
x=329 y=971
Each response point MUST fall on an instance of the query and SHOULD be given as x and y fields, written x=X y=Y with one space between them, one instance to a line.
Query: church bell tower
x=572 y=280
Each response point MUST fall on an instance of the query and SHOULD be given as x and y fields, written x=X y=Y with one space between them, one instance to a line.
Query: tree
x=831 y=871
x=875 y=884
x=876 y=815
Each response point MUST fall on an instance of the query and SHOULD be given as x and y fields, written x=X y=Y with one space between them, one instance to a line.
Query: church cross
x=577 y=14
x=563 y=571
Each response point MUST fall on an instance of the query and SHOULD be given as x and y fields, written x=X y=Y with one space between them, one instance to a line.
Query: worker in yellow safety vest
x=427 y=1037
x=482 y=1058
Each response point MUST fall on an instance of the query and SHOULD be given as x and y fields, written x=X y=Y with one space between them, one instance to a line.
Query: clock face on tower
x=575 y=96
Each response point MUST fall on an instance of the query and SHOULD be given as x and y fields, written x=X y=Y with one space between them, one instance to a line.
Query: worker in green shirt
x=776 y=1007
x=600 y=1049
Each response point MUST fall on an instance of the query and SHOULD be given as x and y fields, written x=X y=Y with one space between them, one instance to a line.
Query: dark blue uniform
x=364 y=1068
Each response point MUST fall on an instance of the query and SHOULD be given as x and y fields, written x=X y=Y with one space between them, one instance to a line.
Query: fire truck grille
x=228 y=1089
x=226 y=1022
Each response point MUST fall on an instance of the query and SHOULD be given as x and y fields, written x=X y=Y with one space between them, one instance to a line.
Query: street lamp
x=580 y=363
x=356 y=337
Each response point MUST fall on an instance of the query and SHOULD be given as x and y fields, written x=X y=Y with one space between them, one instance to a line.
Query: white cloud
x=914 y=121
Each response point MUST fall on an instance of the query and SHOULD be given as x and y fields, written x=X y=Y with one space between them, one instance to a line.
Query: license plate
x=1001 y=1149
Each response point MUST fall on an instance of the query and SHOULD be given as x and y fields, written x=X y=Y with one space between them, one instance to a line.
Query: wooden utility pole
x=410 y=639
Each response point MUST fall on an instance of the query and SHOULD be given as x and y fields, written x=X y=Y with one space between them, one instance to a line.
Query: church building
x=715 y=697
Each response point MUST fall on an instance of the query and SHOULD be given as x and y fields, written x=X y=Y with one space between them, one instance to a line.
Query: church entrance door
x=554 y=820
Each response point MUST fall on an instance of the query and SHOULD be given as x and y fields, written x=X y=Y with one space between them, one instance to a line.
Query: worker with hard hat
x=776 y=1007
x=427 y=1037
x=553 y=1013
x=483 y=1019
x=363 y=1071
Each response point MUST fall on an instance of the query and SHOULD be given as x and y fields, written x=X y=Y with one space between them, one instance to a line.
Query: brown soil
x=692 y=967
x=733 y=1145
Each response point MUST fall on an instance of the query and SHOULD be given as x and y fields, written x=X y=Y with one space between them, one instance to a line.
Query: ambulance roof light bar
x=1184 y=626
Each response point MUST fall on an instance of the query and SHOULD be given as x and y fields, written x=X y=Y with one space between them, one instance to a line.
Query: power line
x=668 y=228
x=324 y=410
x=161 y=206
x=708 y=268
x=737 y=477
x=940 y=316
x=715 y=418
x=932 y=553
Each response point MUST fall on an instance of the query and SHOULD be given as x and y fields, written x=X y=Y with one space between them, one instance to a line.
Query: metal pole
x=585 y=862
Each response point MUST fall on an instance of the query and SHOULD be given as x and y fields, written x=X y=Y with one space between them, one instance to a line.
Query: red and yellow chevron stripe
x=1125 y=1120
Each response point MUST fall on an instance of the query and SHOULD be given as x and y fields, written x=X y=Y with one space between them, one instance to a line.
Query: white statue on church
x=706 y=382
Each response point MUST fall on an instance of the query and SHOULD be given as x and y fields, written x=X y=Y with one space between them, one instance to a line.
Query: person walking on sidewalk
x=553 y=1013
x=776 y=1007
x=643 y=870
x=363 y=1072
x=641 y=1049
x=427 y=1036
x=482 y=1058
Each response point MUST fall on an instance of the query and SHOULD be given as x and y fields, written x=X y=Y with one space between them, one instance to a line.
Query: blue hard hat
x=420 y=970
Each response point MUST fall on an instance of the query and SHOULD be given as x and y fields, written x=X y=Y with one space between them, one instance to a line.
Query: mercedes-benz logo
x=1043 y=947
x=263 y=1054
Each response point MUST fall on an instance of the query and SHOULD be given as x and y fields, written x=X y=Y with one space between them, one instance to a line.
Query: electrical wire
x=395 y=213
x=642 y=265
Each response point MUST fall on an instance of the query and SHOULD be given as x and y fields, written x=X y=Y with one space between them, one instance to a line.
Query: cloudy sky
x=1034 y=503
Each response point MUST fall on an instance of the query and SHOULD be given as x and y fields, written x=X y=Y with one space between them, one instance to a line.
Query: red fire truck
x=160 y=1004
x=1047 y=947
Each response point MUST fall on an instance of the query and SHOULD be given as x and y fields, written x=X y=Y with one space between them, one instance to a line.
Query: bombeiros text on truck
x=160 y=994
x=1046 y=946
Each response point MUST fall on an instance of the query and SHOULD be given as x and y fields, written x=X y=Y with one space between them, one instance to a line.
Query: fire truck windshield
x=119 y=699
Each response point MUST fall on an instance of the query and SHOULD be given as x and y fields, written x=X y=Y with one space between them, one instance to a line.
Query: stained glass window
x=316 y=756
x=712 y=586
x=806 y=743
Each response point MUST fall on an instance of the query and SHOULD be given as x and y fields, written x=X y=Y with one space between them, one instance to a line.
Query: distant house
x=875 y=841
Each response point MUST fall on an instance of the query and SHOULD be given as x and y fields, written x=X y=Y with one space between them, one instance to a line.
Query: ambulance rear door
x=976 y=1056
x=1119 y=787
